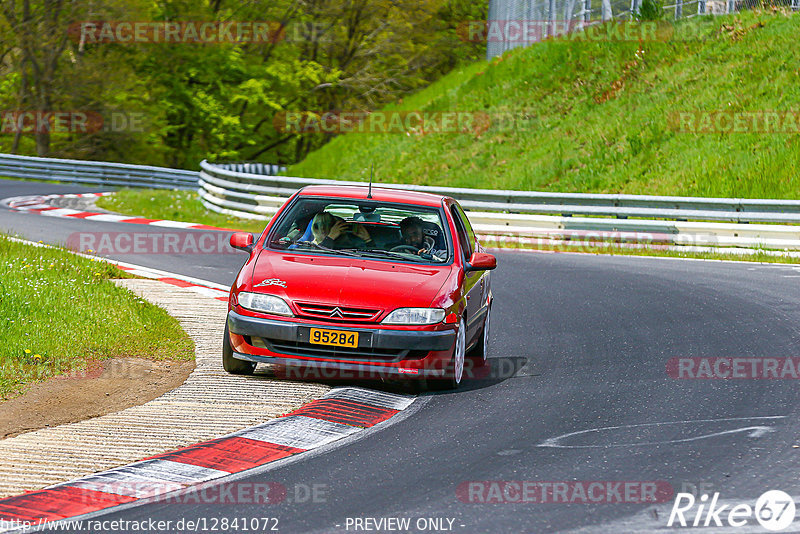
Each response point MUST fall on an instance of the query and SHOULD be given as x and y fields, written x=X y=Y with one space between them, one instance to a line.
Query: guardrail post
x=678 y=9
x=605 y=10
x=587 y=10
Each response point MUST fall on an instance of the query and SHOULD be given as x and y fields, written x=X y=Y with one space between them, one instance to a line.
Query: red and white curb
x=340 y=413
x=203 y=287
x=41 y=204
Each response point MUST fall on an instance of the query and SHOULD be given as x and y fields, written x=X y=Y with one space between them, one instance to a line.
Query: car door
x=473 y=281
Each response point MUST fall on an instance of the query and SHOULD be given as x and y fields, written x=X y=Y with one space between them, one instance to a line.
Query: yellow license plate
x=336 y=338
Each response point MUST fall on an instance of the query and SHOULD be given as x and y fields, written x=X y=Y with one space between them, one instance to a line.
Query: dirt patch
x=106 y=386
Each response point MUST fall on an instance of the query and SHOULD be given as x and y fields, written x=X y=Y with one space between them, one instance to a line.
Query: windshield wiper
x=343 y=252
x=387 y=253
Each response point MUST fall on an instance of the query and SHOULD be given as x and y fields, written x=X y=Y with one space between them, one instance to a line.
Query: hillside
x=576 y=116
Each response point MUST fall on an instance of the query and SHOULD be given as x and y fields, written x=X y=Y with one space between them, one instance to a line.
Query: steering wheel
x=404 y=248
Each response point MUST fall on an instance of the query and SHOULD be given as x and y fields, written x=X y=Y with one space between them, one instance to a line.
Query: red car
x=350 y=282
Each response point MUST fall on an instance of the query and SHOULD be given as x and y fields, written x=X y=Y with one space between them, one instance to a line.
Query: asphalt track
x=580 y=342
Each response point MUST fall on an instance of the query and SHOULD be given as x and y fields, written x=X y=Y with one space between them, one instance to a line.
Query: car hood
x=347 y=281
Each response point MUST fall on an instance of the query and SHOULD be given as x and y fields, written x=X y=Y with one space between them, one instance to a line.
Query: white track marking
x=754 y=431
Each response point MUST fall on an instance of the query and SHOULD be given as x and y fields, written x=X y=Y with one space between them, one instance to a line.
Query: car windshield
x=363 y=228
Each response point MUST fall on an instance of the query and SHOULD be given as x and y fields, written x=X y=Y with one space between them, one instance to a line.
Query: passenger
x=332 y=232
x=298 y=228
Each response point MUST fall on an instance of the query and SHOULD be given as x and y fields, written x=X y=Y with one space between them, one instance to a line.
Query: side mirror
x=480 y=261
x=242 y=241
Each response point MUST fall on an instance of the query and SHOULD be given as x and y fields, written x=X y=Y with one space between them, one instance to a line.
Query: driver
x=411 y=229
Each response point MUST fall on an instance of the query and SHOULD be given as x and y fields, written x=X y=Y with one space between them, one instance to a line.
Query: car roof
x=379 y=194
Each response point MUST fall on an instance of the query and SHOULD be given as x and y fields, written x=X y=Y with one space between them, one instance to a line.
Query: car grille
x=366 y=354
x=327 y=312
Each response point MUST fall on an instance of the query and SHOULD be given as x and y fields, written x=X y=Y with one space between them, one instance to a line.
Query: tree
x=39 y=35
x=219 y=101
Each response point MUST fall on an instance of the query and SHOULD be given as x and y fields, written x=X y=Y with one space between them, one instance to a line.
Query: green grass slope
x=599 y=117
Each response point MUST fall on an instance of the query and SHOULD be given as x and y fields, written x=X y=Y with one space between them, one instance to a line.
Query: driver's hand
x=337 y=229
x=362 y=232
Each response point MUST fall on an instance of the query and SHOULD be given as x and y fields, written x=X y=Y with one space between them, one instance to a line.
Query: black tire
x=231 y=364
x=455 y=369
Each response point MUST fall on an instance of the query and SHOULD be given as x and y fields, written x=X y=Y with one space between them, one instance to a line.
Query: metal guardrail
x=253 y=190
x=526 y=218
x=96 y=172
x=260 y=195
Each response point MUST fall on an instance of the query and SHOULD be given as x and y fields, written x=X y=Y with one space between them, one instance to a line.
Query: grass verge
x=182 y=206
x=61 y=312
x=606 y=117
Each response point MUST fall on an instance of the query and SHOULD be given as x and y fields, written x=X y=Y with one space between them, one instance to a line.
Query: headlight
x=264 y=303
x=415 y=316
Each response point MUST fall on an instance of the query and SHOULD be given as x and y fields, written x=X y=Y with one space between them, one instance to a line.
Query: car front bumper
x=381 y=352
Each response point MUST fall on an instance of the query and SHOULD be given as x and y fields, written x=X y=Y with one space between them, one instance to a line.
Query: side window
x=467 y=227
x=465 y=238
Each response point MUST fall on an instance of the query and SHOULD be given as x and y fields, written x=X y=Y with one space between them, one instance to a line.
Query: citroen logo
x=337 y=313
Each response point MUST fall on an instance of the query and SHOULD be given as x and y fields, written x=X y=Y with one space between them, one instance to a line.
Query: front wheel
x=455 y=369
x=231 y=364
